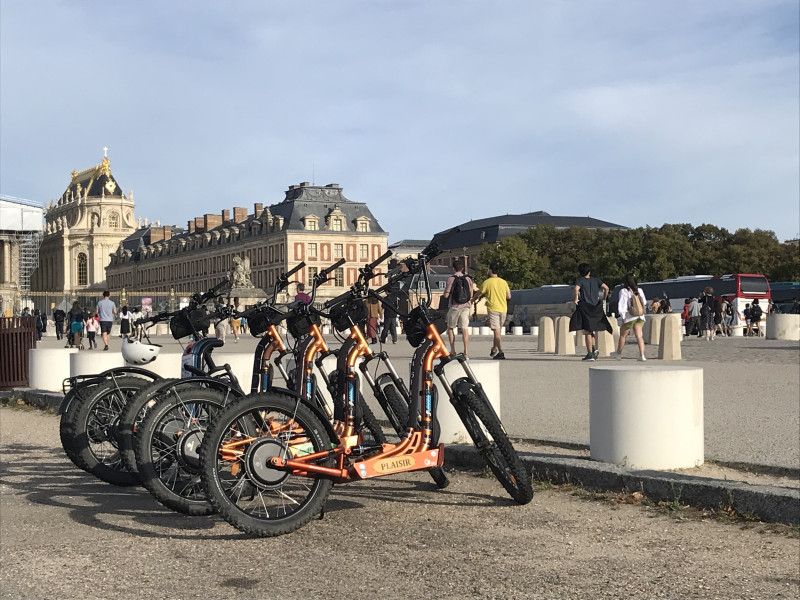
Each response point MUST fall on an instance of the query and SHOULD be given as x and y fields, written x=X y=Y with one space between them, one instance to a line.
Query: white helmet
x=136 y=353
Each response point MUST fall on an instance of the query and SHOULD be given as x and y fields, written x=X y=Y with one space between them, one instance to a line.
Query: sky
x=432 y=112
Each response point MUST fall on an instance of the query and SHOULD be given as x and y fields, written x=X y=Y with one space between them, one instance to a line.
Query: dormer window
x=336 y=219
x=362 y=224
x=311 y=223
x=336 y=224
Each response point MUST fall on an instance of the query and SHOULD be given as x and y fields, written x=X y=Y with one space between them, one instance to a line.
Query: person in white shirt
x=626 y=308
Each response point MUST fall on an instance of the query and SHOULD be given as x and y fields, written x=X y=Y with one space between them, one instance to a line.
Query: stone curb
x=768 y=503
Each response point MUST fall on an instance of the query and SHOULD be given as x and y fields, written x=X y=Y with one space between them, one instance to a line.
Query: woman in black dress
x=707 y=313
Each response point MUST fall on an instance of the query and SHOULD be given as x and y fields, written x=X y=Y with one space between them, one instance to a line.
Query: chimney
x=226 y=215
x=167 y=229
x=239 y=214
x=199 y=223
x=258 y=208
x=211 y=221
x=156 y=235
x=190 y=226
x=304 y=184
x=333 y=185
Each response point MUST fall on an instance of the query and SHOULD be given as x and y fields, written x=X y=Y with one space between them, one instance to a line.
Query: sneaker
x=642 y=358
x=106 y=348
x=493 y=352
x=596 y=354
x=589 y=357
x=616 y=356
x=499 y=356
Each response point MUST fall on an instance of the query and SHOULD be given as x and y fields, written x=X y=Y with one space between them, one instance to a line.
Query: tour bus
x=529 y=305
x=738 y=288
x=785 y=296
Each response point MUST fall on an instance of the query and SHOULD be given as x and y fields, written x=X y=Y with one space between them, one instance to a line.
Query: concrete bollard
x=326 y=330
x=535 y=330
x=653 y=332
x=580 y=340
x=783 y=327
x=565 y=341
x=670 y=337
x=646 y=417
x=92 y=362
x=488 y=373
x=49 y=367
x=167 y=365
x=241 y=364
x=516 y=330
x=162 y=329
x=546 y=334
x=485 y=331
x=605 y=343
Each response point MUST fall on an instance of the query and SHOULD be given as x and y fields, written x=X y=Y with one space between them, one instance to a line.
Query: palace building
x=317 y=225
x=84 y=226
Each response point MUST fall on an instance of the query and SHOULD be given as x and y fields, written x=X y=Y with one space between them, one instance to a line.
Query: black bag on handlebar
x=354 y=309
x=415 y=327
x=187 y=323
x=259 y=321
x=300 y=325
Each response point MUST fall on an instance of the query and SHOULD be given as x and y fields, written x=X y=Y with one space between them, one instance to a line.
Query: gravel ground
x=64 y=534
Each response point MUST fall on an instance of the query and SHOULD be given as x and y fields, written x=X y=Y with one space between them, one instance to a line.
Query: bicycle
x=268 y=462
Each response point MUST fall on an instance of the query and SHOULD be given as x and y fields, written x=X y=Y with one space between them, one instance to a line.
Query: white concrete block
x=488 y=373
x=49 y=367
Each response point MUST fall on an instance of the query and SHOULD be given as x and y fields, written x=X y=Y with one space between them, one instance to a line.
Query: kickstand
x=321 y=514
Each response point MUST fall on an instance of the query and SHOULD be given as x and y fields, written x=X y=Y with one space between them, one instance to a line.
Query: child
x=92 y=325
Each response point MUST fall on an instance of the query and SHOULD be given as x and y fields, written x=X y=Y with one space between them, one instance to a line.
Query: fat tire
x=230 y=418
x=132 y=416
x=66 y=427
x=86 y=427
x=148 y=442
x=476 y=413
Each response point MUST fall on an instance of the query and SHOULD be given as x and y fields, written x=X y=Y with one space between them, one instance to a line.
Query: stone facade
x=83 y=227
x=314 y=224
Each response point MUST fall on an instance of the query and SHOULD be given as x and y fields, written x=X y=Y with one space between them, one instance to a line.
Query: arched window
x=83 y=269
x=113 y=220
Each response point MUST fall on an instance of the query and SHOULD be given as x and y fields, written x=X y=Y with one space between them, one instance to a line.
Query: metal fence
x=47 y=302
x=17 y=336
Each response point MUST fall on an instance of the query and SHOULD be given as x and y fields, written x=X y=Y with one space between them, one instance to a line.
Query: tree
x=519 y=266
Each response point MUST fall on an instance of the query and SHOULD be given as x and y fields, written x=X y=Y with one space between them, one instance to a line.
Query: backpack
x=635 y=307
x=755 y=313
x=460 y=293
x=729 y=310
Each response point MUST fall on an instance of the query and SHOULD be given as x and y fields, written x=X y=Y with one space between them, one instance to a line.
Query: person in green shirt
x=497 y=293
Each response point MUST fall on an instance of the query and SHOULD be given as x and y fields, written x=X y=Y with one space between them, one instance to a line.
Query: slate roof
x=493 y=229
x=305 y=200
x=95 y=179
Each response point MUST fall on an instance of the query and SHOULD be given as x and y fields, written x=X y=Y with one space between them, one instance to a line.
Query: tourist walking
x=58 y=318
x=374 y=313
x=390 y=304
x=694 y=316
x=706 y=302
x=631 y=309
x=106 y=309
x=458 y=291
x=236 y=323
x=754 y=325
x=92 y=325
x=125 y=318
x=687 y=320
x=40 y=324
x=76 y=323
x=497 y=293
x=588 y=295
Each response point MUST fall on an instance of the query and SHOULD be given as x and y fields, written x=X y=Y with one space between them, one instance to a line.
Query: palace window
x=312 y=250
x=339 y=276
x=312 y=272
x=363 y=251
x=336 y=224
x=338 y=250
x=83 y=269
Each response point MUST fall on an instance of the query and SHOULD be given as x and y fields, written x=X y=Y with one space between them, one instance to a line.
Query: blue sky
x=432 y=112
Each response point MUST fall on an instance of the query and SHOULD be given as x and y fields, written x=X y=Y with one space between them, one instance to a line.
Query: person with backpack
x=458 y=291
x=588 y=295
x=755 y=319
x=58 y=318
x=632 y=309
x=706 y=302
x=727 y=316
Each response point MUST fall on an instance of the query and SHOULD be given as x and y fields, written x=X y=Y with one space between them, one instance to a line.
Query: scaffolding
x=29 y=243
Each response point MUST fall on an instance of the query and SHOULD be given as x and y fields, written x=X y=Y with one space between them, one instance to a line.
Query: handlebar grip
x=379 y=260
x=336 y=265
x=295 y=270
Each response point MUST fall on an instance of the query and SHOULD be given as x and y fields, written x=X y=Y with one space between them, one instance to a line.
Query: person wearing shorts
x=628 y=320
x=106 y=309
x=458 y=314
x=497 y=293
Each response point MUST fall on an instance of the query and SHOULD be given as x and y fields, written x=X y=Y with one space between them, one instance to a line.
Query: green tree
x=519 y=265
